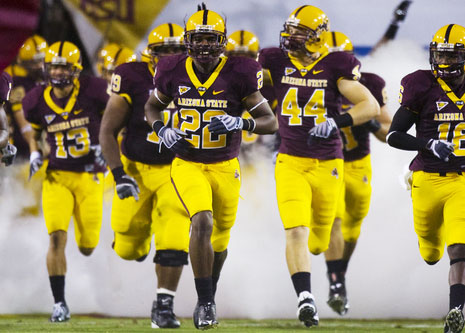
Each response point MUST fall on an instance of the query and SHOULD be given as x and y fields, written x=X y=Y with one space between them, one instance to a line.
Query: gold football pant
x=210 y=187
x=354 y=201
x=438 y=212
x=158 y=212
x=77 y=194
x=307 y=190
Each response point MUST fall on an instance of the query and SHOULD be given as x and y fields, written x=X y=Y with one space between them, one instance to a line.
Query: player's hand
x=9 y=154
x=372 y=125
x=173 y=139
x=323 y=130
x=401 y=11
x=98 y=156
x=225 y=123
x=35 y=162
x=441 y=148
x=126 y=186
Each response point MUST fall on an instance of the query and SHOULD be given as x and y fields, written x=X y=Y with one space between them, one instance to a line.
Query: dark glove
x=441 y=149
x=372 y=125
x=126 y=186
x=225 y=123
x=35 y=162
x=98 y=156
x=9 y=154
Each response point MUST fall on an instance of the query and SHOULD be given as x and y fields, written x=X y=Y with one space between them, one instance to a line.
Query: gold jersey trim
x=69 y=105
x=304 y=70
x=203 y=87
x=451 y=94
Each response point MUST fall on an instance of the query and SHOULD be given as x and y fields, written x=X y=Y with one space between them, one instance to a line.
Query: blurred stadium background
x=386 y=277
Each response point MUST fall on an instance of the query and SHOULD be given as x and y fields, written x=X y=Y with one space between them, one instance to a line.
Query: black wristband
x=118 y=172
x=344 y=120
x=248 y=124
x=157 y=125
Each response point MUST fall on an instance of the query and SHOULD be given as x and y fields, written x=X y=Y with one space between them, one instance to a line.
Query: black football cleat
x=306 y=311
x=205 y=316
x=163 y=315
x=454 y=321
x=337 y=299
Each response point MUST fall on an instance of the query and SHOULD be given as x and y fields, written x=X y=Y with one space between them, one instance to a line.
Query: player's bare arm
x=259 y=109
x=115 y=116
x=365 y=105
x=384 y=120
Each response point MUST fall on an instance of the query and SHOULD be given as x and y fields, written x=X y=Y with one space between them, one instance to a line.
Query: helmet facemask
x=34 y=67
x=447 y=60
x=61 y=75
x=205 y=46
x=170 y=46
x=299 y=38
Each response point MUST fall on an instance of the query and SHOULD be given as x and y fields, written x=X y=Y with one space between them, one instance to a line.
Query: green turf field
x=95 y=323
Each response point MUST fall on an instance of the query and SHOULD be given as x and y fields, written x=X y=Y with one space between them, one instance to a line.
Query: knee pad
x=431 y=263
x=130 y=248
x=454 y=261
x=170 y=258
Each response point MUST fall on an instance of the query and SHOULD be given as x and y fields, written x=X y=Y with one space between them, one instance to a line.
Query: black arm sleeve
x=398 y=138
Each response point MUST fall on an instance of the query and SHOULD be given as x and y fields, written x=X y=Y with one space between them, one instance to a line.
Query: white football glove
x=98 y=155
x=325 y=129
x=225 y=123
x=35 y=162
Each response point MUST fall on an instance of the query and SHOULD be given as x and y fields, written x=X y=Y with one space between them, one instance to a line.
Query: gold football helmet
x=303 y=30
x=242 y=43
x=166 y=39
x=31 y=56
x=337 y=41
x=205 y=35
x=447 y=52
x=111 y=56
x=65 y=56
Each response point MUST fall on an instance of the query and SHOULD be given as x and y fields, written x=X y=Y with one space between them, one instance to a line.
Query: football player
x=309 y=83
x=210 y=91
x=111 y=56
x=145 y=202
x=7 y=150
x=433 y=101
x=69 y=110
x=31 y=59
x=355 y=197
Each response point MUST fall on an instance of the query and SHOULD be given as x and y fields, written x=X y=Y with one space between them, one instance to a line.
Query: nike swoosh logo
x=78 y=111
x=217 y=92
x=317 y=72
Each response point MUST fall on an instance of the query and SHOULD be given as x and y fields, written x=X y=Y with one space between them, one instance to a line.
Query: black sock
x=336 y=270
x=456 y=296
x=301 y=282
x=204 y=288
x=57 y=282
x=215 y=280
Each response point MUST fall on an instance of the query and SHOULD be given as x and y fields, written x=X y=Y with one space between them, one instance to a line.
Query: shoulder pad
x=244 y=65
x=168 y=63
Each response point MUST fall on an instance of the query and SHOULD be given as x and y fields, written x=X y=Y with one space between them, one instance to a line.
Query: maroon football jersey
x=134 y=82
x=440 y=116
x=72 y=123
x=307 y=96
x=21 y=85
x=356 y=139
x=200 y=99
